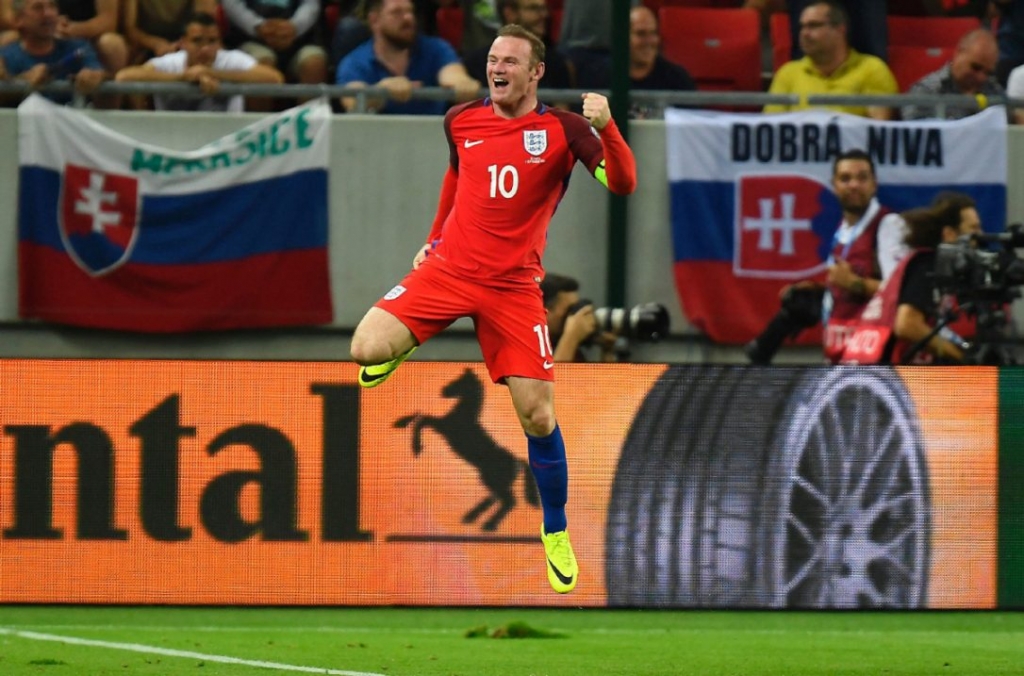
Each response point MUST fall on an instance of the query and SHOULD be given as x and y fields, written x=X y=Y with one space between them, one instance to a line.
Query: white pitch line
x=168 y=652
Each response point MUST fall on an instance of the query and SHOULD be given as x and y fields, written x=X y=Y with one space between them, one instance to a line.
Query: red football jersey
x=511 y=174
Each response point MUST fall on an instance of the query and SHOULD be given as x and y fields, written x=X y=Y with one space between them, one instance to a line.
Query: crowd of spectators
x=838 y=46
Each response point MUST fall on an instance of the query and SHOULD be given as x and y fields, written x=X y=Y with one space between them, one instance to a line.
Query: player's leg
x=380 y=344
x=417 y=308
x=512 y=329
x=534 y=404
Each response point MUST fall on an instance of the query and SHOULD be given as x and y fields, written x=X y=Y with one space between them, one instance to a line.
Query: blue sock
x=547 y=461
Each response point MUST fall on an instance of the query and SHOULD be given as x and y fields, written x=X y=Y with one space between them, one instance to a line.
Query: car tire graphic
x=747 y=487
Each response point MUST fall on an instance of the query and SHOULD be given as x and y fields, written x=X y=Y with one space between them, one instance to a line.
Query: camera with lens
x=646 y=322
x=981 y=268
x=801 y=309
x=983 y=273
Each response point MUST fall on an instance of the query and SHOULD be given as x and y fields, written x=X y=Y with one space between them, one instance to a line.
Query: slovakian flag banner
x=752 y=207
x=118 y=234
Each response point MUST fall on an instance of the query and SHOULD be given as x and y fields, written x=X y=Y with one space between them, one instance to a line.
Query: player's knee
x=539 y=421
x=363 y=350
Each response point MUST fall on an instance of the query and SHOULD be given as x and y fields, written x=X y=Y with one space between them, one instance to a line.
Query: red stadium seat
x=782 y=39
x=332 y=13
x=449 y=25
x=909 y=64
x=930 y=31
x=721 y=48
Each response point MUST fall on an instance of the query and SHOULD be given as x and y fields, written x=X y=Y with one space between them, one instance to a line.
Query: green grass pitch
x=101 y=641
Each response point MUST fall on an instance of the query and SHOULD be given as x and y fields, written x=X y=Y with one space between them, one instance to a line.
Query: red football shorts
x=511 y=323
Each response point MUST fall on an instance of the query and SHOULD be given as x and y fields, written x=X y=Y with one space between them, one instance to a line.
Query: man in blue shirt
x=397 y=58
x=40 y=57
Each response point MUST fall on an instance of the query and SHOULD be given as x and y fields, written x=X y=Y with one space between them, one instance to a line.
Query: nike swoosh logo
x=366 y=377
x=566 y=579
x=548 y=365
x=469 y=144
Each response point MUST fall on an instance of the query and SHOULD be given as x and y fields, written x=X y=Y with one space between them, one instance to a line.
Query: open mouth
x=499 y=84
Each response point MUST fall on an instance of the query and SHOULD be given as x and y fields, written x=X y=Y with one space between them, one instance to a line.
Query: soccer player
x=510 y=158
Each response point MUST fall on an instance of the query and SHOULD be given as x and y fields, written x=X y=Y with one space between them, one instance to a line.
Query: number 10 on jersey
x=504 y=180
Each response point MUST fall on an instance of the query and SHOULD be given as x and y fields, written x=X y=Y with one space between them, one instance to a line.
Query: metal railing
x=657 y=100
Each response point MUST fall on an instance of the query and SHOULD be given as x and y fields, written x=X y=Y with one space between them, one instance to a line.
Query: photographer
x=897 y=326
x=572 y=324
x=865 y=249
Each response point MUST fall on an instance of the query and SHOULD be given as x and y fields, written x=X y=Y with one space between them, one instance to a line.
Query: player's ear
x=538 y=71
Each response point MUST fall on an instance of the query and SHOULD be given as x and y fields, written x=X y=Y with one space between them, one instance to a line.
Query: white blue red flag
x=752 y=207
x=119 y=234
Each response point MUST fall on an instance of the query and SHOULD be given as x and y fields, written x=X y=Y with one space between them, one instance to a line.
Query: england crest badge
x=535 y=142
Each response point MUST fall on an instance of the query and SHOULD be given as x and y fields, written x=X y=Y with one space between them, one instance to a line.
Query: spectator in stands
x=399 y=60
x=571 y=322
x=352 y=29
x=648 y=69
x=39 y=56
x=867 y=29
x=970 y=71
x=831 y=66
x=154 y=26
x=533 y=16
x=8 y=33
x=283 y=34
x=97 y=21
x=350 y=32
x=202 y=61
x=481 y=20
x=1015 y=90
x=586 y=38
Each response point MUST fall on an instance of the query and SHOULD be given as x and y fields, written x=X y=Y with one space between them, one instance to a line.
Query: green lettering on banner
x=171 y=164
x=302 y=139
x=278 y=140
x=279 y=146
x=141 y=162
x=220 y=160
x=1010 y=567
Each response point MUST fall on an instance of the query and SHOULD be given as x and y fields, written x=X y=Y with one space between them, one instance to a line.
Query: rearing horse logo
x=461 y=428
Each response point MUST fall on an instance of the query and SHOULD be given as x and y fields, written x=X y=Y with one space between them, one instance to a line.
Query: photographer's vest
x=873 y=336
x=862 y=255
x=872 y=340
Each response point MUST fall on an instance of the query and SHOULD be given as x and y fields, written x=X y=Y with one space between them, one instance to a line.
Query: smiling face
x=854 y=185
x=644 y=39
x=512 y=75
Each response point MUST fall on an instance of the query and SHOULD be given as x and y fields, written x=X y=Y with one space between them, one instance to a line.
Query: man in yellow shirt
x=831 y=66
